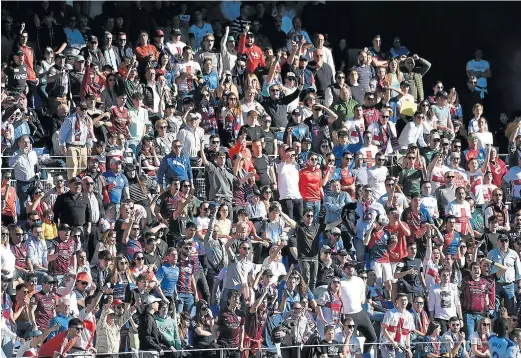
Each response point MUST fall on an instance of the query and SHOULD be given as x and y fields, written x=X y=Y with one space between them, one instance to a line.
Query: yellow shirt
x=50 y=231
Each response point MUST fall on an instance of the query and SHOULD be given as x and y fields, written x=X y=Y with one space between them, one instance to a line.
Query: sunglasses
x=309 y=215
x=420 y=303
x=83 y=283
x=386 y=116
x=139 y=258
x=350 y=326
x=79 y=328
x=313 y=159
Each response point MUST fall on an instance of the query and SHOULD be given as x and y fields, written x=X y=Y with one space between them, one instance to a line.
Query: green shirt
x=168 y=327
x=410 y=181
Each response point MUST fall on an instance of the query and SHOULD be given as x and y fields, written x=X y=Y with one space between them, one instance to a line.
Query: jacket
x=150 y=338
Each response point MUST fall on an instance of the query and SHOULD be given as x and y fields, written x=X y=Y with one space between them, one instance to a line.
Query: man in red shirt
x=29 y=60
x=247 y=46
x=63 y=342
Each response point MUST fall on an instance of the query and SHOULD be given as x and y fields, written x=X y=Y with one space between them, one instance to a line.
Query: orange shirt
x=310 y=184
x=246 y=154
x=142 y=52
x=10 y=207
x=29 y=61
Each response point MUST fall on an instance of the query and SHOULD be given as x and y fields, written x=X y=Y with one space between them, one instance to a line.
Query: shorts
x=383 y=271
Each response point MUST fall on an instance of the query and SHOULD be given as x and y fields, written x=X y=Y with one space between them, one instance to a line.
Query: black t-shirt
x=262 y=165
x=306 y=240
x=410 y=283
x=16 y=77
x=167 y=204
x=326 y=274
x=252 y=133
x=229 y=324
x=332 y=349
x=269 y=138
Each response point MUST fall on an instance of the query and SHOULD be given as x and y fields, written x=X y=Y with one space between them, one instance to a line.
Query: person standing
x=150 y=338
x=353 y=294
x=76 y=139
x=230 y=325
x=444 y=303
x=24 y=163
x=475 y=298
x=288 y=184
x=397 y=326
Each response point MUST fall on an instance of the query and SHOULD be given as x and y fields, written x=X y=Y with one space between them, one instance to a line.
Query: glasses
x=275 y=90
x=454 y=325
x=313 y=159
x=89 y=183
x=140 y=258
x=177 y=146
x=83 y=283
x=135 y=228
x=163 y=127
x=5 y=234
x=386 y=116
x=336 y=282
x=120 y=307
x=350 y=326
x=309 y=215
x=420 y=303
x=246 y=248
x=215 y=142
x=380 y=160
x=268 y=192
x=79 y=328
x=472 y=82
x=457 y=146
x=503 y=240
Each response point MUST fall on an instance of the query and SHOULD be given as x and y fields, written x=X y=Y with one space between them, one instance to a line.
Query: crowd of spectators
x=246 y=185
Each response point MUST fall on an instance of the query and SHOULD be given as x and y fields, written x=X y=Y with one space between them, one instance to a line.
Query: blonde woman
x=108 y=242
x=479 y=340
x=394 y=77
x=436 y=171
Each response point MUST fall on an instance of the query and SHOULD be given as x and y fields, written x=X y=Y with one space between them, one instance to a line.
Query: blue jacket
x=173 y=165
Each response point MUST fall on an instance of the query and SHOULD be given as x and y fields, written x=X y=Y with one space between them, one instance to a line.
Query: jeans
x=309 y=270
x=185 y=303
x=316 y=208
x=360 y=249
x=364 y=326
x=293 y=208
x=506 y=292
x=471 y=322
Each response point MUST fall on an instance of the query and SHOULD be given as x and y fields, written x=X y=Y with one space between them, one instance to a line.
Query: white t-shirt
x=398 y=324
x=277 y=268
x=462 y=213
x=288 y=179
x=430 y=204
x=369 y=154
x=479 y=66
x=202 y=223
x=437 y=177
x=352 y=294
x=513 y=176
x=8 y=260
x=444 y=302
x=181 y=67
x=376 y=179
x=476 y=186
x=175 y=49
x=352 y=134
x=484 y=139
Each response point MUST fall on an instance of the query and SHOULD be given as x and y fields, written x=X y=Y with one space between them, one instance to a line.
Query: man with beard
x=52 y=194
x=77 y=74
x=247 y=46
x=61 y=255
x=186 y=287
x=58 y=84
x=498 y=209
x=413 y=69
x=255 y=322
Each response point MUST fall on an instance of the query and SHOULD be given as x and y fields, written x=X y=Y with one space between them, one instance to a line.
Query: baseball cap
x=18 y=52
x=343 y=252
x=445 y=141
x=93 y=38
x=413 y=145
x=269 y=273
x=115 y=160
x=84 y=276
x=442 y=94
x=250 y=34
x=227 y=72
x=296 y=111
x=64 y=227
x=48 y=279
x=435 y=135
x=325 y=248
x=94 y=159
x=176 y=32
x=117 y=302
x=405 y=84
x=336 y=230
x=290 y=74
x=159 y=33
x=60 y=55
x=83 y=105
x=306 y=140
x=80 y=58
x=230 y=39
x=304 y=58
x=74 y=180
x=151 y=299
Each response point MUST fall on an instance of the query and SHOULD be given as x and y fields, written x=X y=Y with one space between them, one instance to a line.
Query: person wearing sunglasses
x=351 y=345
x=57 y=344
x=311 y=182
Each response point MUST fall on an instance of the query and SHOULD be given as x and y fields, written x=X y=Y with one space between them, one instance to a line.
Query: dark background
x=446 y=34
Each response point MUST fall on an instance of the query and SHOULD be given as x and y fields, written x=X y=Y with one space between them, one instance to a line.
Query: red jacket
x=255 y=56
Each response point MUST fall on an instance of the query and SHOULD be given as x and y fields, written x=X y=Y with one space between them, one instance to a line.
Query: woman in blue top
x=433 y=347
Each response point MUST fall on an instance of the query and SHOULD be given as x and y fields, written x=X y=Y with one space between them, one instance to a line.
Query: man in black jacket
x=277 y=107
x=150 y=338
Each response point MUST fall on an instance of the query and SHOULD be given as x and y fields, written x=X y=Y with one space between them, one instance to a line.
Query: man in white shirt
x=175 y=45
x=191 y=135
x=481 y=70
x=111 y=53
x=352 y=294
x=185 y=71
x=376 y=176
x=397 y=326
x=413 y=132
x=444 y=301
x=288 y=184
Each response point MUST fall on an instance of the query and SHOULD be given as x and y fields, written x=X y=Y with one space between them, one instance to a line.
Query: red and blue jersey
x=186 y=272
x=451 y=243
x=378 y=246
x=115 y=185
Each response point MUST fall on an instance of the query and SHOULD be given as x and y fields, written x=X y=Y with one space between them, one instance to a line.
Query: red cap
x=159 y=33
x=117 y=302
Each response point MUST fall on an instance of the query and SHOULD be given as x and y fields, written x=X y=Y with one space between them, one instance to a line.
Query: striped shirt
x=186 y=272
